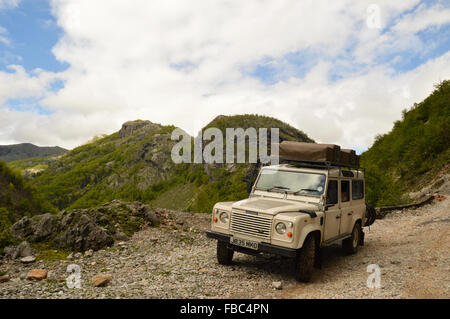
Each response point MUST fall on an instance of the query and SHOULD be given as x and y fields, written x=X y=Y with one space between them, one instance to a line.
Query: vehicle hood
x=271 y=206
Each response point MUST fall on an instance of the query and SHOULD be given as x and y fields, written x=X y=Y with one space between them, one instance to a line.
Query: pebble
x=157 y=265
x=277 y=285
x=28 y=259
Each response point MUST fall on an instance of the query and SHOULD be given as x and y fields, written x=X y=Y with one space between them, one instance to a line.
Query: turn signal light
x=215 y=219
x=289 y=234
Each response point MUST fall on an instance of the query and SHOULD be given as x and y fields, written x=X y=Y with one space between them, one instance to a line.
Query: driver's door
x=333 y=212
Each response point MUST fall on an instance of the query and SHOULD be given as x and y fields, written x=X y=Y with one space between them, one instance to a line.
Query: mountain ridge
x=135 y=163
x=14 y=152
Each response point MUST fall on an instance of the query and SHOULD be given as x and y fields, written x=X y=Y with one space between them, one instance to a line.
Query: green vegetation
x=17 y=199
x=413 y=152
x=35 y=163
x=134 y=164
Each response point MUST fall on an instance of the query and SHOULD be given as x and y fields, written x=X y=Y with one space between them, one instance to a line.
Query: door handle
x=350 y=214
x=337 y=217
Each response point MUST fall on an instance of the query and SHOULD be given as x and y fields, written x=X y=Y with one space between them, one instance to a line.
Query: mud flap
x=361 y=238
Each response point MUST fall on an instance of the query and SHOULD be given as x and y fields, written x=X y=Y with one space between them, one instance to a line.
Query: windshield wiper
x=276 y=186
x=305 y=189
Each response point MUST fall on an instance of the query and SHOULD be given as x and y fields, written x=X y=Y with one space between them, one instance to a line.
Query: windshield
x=289 y=181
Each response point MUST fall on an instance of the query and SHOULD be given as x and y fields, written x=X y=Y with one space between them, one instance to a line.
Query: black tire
x=371 y=215
x=224 y=254
x=351 y=244
x=304 y=262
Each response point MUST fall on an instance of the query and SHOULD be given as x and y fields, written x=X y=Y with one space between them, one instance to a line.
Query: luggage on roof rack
x=329 y=154
x=349 y=157
x=290 y=150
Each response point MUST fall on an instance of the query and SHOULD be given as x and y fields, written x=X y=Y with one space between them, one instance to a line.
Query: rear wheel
x=224 y=254
x=304 y=262
x=351 y=244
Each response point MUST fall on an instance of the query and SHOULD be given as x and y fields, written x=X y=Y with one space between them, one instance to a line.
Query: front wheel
x=224 y=254
x=351 y=244
x=304 y=262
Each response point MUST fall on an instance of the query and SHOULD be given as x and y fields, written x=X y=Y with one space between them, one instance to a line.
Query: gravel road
x=411 y=249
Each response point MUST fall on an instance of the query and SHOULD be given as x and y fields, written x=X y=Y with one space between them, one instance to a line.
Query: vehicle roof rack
x=322 y=164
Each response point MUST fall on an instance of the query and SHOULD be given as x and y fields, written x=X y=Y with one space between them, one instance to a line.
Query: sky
x=341 y=71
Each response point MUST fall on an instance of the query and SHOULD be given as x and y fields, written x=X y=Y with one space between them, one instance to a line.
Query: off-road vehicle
x=295 y=209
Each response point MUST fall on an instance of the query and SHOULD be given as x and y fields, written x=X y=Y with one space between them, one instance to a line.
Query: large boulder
x=84 y=229
x=22 y=250
x=23 y=228
x=45 y=226
x=80 y=233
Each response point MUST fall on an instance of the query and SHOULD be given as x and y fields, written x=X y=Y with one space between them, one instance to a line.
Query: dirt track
x=178 y=261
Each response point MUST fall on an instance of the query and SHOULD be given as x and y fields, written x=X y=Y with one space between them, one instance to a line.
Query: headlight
x=280 y=228
x=224 y=217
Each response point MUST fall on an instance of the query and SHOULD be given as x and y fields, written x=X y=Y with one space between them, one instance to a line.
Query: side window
x=345 y=191
x=332 y=193
x=357 y=189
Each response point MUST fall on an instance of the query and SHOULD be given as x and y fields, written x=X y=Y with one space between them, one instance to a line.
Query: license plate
x=244 y=243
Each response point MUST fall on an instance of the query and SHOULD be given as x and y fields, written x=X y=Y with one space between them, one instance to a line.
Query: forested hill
x=135 y=164
x=17 y=199
x=413 y=152
x=9 y=153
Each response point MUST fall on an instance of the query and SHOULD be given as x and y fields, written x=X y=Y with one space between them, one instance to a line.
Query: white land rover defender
x=294 y=210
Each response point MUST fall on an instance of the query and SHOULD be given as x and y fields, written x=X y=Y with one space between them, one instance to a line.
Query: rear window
x=357 y=189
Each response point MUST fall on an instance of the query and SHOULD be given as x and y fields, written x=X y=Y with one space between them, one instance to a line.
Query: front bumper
x=262 y=247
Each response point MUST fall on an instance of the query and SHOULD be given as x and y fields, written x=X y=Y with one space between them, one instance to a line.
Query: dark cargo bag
x=348 y=157
x=300 y=151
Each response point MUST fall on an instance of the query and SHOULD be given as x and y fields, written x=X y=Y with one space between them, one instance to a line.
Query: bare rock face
x=83 y=229
x=81 y=233
x=130 y=127
x=44 y=227
x=39 y=227
x=23 y=228
x=37 y=274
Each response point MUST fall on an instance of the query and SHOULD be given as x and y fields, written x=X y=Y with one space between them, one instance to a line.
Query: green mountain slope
x=9 y=153
x=415 y=150
x=135 y=164
x=17 y=199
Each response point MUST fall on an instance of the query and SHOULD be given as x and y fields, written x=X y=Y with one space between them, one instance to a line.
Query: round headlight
x=223 y=217
x=280 y=228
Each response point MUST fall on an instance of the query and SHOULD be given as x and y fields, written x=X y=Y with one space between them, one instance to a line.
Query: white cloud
x=19 y=84
x=126 y=62
x=5 y=4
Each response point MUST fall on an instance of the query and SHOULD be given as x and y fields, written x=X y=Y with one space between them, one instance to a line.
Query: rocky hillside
x=415 y=153
x=135 y=164
x=9 y=153
x=17 y=199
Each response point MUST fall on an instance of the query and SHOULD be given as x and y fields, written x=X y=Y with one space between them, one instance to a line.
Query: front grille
x=252 y=225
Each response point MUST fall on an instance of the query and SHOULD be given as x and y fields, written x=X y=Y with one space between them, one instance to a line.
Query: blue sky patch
x=28 y=104
x=32 y=32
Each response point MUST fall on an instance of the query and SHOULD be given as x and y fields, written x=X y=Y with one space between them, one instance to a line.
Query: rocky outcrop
x=84 y=229
x=130 y=127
